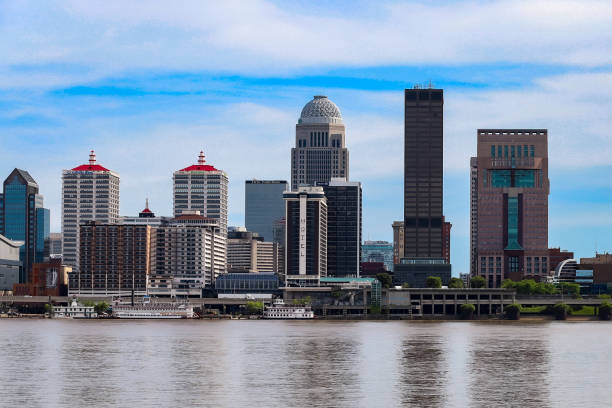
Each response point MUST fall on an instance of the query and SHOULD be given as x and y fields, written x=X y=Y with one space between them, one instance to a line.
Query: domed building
x=320 y=153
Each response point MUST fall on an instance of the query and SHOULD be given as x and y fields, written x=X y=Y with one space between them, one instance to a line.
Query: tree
x=513 y=311
x=405 y=285
x=467 y=311
x=561 y=310
x=101 y=308
x=254 y=307
x=478 y=282
x=570 y=288
x=455 y=283
x=433 y=282
x=605 y=311
x=508 y=284
x=385 y=279
x=526 y=287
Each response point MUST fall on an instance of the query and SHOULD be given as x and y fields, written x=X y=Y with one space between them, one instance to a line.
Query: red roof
x=199 y=167
x=90 y=167
x=146 y=210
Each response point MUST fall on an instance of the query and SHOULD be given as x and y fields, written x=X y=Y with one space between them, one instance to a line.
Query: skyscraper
x=423 y=158
x=343 y=227
x=264 y=206
x=23 y=218
x=306 y=236
x=201 y=187
x=90 y=192
x=319 y=153
x=509 y=211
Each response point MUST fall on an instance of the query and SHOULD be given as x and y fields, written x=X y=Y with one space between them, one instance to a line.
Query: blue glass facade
x=42 y=232
x=246 y=283
x=264 y=206
x=513 y=229
x=512 y=178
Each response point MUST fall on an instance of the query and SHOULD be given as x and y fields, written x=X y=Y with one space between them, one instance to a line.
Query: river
x=80 y=363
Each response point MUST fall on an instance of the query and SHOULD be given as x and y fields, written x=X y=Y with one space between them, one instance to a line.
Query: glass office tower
x=20 y=205
x=264 y=207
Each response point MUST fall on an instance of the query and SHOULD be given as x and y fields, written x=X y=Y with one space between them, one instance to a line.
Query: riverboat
x=74 y=311
x=153 y=310
x=279 y=310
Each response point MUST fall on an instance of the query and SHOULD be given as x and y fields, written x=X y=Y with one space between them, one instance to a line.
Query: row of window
x=512 y=151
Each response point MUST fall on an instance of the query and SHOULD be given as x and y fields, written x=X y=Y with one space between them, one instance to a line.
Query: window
x=506 y=151
x=492 y=150
x=512 y=219
x=532 y=148
x=512 y=151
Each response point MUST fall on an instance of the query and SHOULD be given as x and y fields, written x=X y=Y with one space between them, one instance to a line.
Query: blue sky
x=148 y=85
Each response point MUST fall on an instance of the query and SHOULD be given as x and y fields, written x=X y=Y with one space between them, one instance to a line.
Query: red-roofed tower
x=90 y=192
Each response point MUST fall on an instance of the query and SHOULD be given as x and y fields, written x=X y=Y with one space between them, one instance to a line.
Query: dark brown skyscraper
x=423 y=138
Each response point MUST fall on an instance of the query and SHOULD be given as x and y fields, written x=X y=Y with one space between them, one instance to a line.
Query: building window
x=492 y=150
x=512 y=151
x=499 y=151
x=506 y=151
x=532 y=148
x=512 y=220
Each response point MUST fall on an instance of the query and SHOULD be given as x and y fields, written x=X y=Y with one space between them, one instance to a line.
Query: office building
x=378 y=251
x=556 y=256
x=10 y=265
x=201 y=187
x=264 y=206
x=190 y=252
x=145 y=217
x=23 y=218
x=319 y=153
x=398 y=241
x=423 y=189
x=55 y=245
x=306 y=236
x=510 y=214
x=115 y=259
x=90 y=192
x=344 y=209
x=446 y=240
x=247 y=283
x=247 y=252
x=47 y=279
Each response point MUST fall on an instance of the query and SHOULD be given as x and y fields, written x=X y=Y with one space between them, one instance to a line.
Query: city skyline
x=146 y=121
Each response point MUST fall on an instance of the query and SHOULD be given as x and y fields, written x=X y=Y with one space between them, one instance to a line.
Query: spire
x=201 y=160
x=92 y=158
x=147 y=203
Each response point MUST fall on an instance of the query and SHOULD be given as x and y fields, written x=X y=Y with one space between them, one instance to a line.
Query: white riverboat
x=279 y=310
x=74 y=311
x=153 y=310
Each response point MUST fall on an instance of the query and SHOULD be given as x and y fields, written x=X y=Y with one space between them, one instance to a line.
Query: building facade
x=47 y=279
x=378 y=251
x=90 y=192
x=344 y=209
x=306 y=236
x=320 y=153
x=398 y=241
x=190 y=251
x=247 y=252
x=55 y=245
x=115 y=259
x=23 y=218
x=264 y=206
x=201 y=187
x=510 y=218
x=10 y=265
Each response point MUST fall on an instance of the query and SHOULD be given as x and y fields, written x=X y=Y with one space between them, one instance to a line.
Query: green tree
x=433 y=282
x=385 y=279
x=87 y=303
x=513 y=311
x=509 y=284
x=101 y=308
x=466 y=311
x=605 y=311
x=405 y=285
x=254 y=307
x=604 y=296
x=561 y=310
x=478 y=282
x=526 y=287
x=543 y=288
x=455 y=283
x=570 y=288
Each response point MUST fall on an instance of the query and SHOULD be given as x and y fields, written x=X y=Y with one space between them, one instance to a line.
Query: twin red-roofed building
x=201 y=187
x=90 y=192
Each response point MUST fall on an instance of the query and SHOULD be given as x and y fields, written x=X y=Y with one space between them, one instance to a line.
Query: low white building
x=74 y=311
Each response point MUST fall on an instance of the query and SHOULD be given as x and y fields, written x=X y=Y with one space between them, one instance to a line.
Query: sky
x=148 y=84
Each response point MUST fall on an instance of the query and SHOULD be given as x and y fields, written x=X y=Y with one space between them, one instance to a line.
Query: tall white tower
x=90 y=192
x=201 y=187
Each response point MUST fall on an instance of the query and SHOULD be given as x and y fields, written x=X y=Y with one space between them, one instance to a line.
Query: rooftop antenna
x=92 y=157
x=201 y=160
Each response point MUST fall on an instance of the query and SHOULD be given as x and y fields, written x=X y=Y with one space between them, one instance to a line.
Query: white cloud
x=258 y=37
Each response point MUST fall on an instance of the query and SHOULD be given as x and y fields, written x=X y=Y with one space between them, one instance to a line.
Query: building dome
x=320 y=110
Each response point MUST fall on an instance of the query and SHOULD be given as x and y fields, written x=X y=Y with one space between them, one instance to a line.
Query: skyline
x=60 y=101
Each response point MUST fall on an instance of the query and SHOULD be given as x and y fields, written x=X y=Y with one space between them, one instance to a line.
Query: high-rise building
x=49 y=278
x=264 y=206
x=306 y=236
x=190 y=252
x=23 y=218
x=319 y=153
x=10 y=265
x=145 y=217
x=423 y=140
x=55 y=245
x=398 y=241
x=90 y=192
x=510 y=213
x=446 y=240
x=423 y=190
x=201 y=187
x=378 y=251
x=115 y=259
x=344 y=209
x=247 y=252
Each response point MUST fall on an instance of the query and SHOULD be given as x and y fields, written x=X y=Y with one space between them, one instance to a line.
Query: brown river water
x=80 y=363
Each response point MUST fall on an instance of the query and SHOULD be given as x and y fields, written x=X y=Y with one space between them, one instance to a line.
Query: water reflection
x=423 y=373
x=510 y=369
